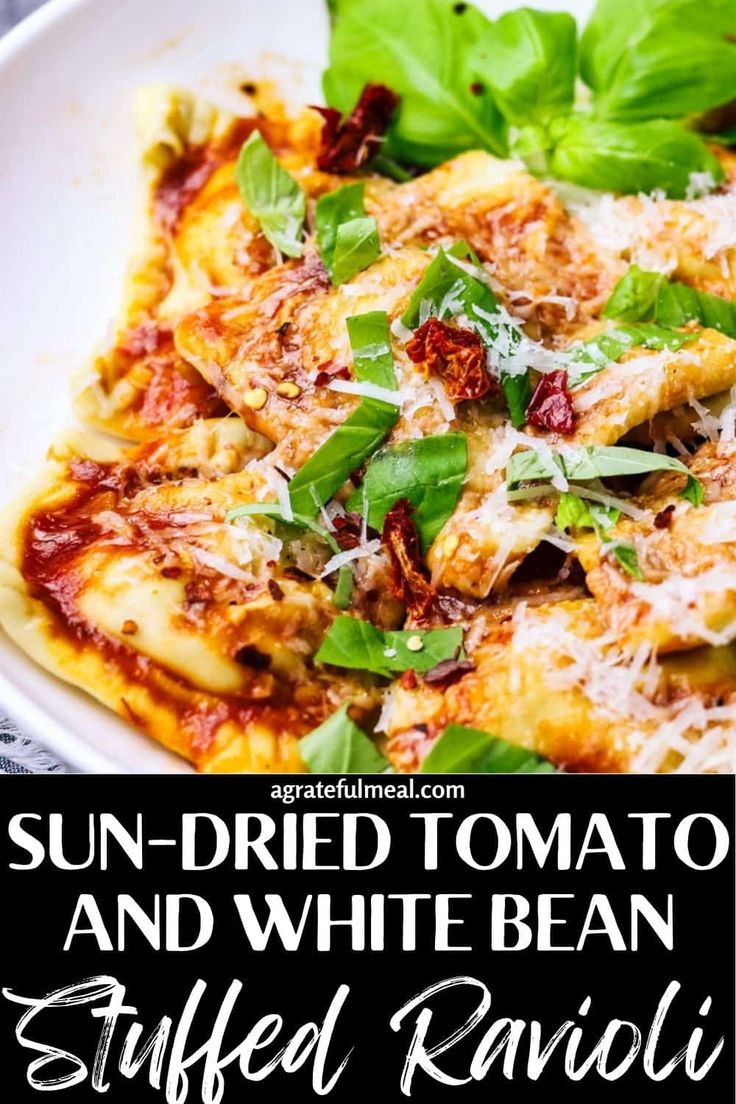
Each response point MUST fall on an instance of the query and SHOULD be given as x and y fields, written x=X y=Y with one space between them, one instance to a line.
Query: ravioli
x=603 y=639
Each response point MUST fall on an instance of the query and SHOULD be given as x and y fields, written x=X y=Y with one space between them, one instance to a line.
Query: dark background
x=38 y=907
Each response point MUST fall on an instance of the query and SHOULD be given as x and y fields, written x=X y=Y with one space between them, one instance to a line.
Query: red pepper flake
x=454 y=355
x=409 y=577
x=328 y=373
x=551 y=406
x=350 y=143
x=408 y=679
x=663 y=520
x=449 y=671
x=349 y=528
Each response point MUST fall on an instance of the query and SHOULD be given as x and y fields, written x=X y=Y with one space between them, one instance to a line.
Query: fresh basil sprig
x=364 y=430
x=596 y=462
x=461 y=750
x=272 y=196
x=612 y=156
x=641 y=296
x=428 y=471
x=533 y=64
x=659 y=57
x=344 y=589
x=339 y=746
x=446 y=290
x=347 y=239
x=359 y=645
x=435 y=56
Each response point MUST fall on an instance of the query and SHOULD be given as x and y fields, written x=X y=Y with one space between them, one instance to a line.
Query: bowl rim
x=21 y=707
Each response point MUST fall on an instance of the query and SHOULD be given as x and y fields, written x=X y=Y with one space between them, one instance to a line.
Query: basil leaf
x=634 y=297
x=630 y=157
x=363 y=431
x=428 y=471
x=678 y=304
x=434 y=57
x=272 y=196
x=339 y=747
x=596 y=462
x=360 y=646
x=605 y=349
x=461 y=750
x=346 y=238
x=334 y=208
x=640 y=295
x=615 y=31
x=532 y=74
x=446 y=290
x=625 y=556
x=370 y=340
x=575 y=513
x=344 y=590
x=344 y=450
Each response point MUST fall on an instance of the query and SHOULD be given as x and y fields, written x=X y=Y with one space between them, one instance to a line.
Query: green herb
x=447 y=290
x=532 y=73
x=645 y=295
x=362 y=647
x=428 y=471
x=370 y=340
x=363 y=431
x=272 y=196
x=344 y=589
x=339 y=747
x=435 y=58
x=573 y=512
x=634 y=297
x=626 y=557
x=599 y=352
x=461 y=750
x=596 y=462
x=659 y=57
x=346 y=238
x=386 y=166
x=660 y=154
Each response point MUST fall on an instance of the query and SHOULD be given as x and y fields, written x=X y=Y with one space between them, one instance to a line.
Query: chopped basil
x=272 y=196
x=599 y=352
x=447 y=290
x=363 y=431
x=644 y=296
x=626 y=557
x=338 y=746
x=360 y=646
x=428 y=471
x=573 y=512
x=596 y=462
x=344 y=589
x=461 y=750
x=346 y=238
x=635 y=295
x=435 y=58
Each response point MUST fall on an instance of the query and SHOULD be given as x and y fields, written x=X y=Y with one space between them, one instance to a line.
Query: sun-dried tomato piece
x=347 y=145
x=409 y=578
x=454 y=355
x=550 y=407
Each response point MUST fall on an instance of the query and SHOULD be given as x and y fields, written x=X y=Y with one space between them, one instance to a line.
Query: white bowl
x=67 y=199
